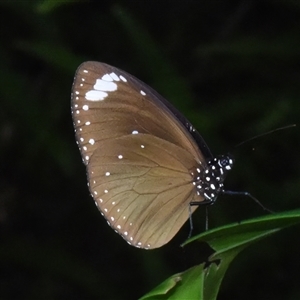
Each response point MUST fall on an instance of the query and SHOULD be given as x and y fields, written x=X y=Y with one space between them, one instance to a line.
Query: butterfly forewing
x=140 y=158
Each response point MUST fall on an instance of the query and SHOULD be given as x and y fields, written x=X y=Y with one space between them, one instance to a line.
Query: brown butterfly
x=148 y=168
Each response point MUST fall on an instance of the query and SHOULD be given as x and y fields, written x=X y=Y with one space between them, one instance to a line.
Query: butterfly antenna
x=266 y=133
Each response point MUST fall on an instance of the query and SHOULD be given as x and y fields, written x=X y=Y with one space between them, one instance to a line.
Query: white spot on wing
x=95 y=95
x=85 y=107
x=114 y=76
x=92 y=141
x=106 y=77
x=123 y=78
x=102 y=86
x=142 y=92
x=120 y=156
x=105 y=86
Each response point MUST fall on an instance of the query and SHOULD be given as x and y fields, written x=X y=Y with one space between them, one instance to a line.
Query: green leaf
x=203 y=281
x=180 y=286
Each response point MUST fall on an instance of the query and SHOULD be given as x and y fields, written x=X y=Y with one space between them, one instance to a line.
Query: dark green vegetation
x=232 y=69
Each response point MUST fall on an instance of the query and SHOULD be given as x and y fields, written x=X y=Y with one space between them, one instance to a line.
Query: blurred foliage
x=231 y=67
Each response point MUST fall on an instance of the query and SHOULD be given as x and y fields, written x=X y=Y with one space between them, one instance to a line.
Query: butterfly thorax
x=209 y=181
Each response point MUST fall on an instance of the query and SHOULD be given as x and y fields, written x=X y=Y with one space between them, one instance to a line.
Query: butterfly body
x=145 y=161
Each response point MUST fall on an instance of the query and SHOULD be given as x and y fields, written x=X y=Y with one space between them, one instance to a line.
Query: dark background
x=232 y=67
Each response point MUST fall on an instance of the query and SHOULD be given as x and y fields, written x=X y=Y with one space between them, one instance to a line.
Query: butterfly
x=148 y=168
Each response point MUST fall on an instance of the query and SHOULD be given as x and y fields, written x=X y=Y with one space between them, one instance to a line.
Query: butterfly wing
x=140 y=158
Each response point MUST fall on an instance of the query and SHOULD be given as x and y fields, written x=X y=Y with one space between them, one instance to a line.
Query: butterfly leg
x=205 y=202
x=246 y=194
